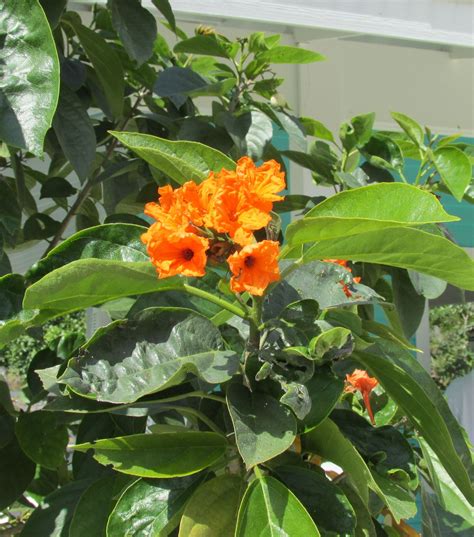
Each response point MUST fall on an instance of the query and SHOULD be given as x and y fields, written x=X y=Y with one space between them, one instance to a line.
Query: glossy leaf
x=409 y=304
x=181 y=161
x=165 y=9
x=106 y=63
x=411 y=127
x=30 y=75
x=56 y=187
x=324 y=389
x=124 y=362
x=176 y=82
x=151 y=506
x=382 y=151
x=158 y=455
x=448 y=494
x=269 y=509
x=136 y=27
x=16 y=473
x=263 y=426
x=213 y=508
x=250 y=132
x=42 y=438
x=404 y=248
x=427 y=286
x=78 y=143
x=369 y=208
x=415 y=392
x=400 y=502
x=287 y=54
x=202 y=44
x=54 y=514
x=10 y=211
x=119 y=242
x=324 y=501
x=316 y=128
x=94 y=506
x=454 y=168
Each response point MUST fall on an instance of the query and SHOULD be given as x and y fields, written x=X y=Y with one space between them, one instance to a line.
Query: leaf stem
x=233 y=308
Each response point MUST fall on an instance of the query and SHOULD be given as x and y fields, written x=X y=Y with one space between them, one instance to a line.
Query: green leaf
x=316 y=128
x=53 y=10
x=263 y=426
x=358 y=132
x=181 y=161
x=126 y=361
x=400 y=501
x=449 y=495
x=213 y=508
x=42 y=438
x=12 y=288
x=40 y=226
x=202 y=44
x=328 y=441
x=120 y=242
x=10 y=211
x=427 y=286
x=411 y=127
x=30 y=75
x=250 y=132
x=57 y=187
x=454 y=168
x=54 y=514
x=409 y=304
x=165 y=8
x=269 y=509
x=78 y=143
x=177 y=82
x=158 y=455
x=334 y=338
x=287 y=54
x=135 y=26
x=16 y=473
x=325 y=389
x=368 y=208
x=106 y=63
x=324 y=501
x=415 y=392
x=93 y=509
x=151 y=506
x=404 y=248
x=382 y=151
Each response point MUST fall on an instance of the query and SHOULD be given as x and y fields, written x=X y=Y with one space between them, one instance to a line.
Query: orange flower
x=254 y=267
x=360 y=381
x=261 y=183
x=178 y=252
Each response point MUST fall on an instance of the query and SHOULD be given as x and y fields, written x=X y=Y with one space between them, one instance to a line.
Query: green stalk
x=233 y=308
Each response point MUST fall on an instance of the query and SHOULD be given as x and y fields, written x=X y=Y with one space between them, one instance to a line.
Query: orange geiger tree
x=258 y=376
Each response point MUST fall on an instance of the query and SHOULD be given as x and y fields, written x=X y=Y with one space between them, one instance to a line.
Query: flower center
x=249 y=261
x=188 y=254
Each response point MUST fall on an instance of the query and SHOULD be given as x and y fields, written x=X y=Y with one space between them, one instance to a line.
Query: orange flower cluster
x=343 y=263
x=360 y=381
x=215 y=220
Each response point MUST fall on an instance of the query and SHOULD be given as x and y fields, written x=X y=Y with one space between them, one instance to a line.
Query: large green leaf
x=202 y=44
x=78 y=143
x=159 y=455
x=263 y=426
x=93 y=509
x=136 y=27
x=124 y=362
x=120 y=242
x=42 y=438
x=454 y=168
x=10 y=211
x=213 y=508
x=288 y=54
x=12 y=289
x=175 y=83
x=324 y=501
x=181 y=161
x=400 y=501
x=409 y=304
x=404 y=248
x=106 y=63
x=54 y=514
x=151 y=506
x=324 y=389
x=415 y=392
x=165 y=9
x=449 y=495
x=29 y=86
x=365 y=209
x=16 y=472
x=269 y=509
x=250 y=132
